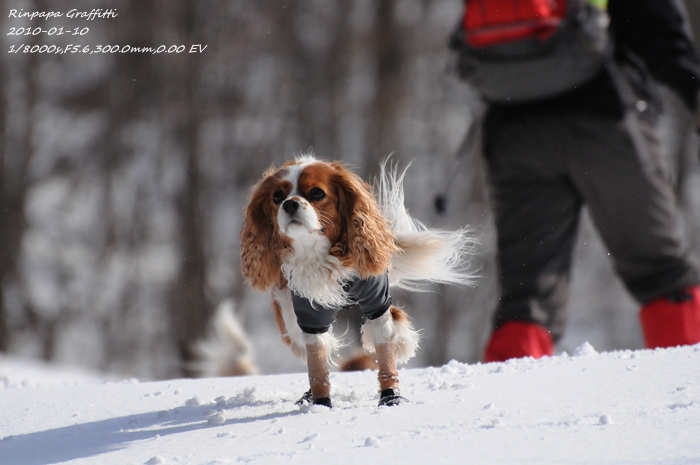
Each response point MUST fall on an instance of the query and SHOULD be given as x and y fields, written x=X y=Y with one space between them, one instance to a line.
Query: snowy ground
x=639 y=407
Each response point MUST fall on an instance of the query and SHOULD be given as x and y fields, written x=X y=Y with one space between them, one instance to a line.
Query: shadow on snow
x=91 y=439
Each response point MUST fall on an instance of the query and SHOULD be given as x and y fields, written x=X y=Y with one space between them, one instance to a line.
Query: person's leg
x=632 y=203
x=536 y=213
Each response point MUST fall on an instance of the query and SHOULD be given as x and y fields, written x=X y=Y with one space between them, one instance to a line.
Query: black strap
x=466 y=150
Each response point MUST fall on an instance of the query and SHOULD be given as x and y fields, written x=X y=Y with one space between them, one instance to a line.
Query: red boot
x=672 y=320
x=517 y=339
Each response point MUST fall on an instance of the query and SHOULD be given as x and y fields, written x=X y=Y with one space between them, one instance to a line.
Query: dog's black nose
x=290 y=206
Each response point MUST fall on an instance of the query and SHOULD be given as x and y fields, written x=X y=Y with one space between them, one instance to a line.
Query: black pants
x=544 y=166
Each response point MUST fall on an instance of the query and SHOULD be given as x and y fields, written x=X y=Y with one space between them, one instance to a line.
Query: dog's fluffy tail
x=226 y=351
x=427 y=255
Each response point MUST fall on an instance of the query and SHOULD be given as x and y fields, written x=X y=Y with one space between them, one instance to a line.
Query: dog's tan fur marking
x=279 y=321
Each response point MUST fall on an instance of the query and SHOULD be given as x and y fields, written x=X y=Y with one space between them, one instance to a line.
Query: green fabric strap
x=602 y=4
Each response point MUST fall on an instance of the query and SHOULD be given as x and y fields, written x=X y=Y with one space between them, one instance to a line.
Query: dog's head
x=317 y=203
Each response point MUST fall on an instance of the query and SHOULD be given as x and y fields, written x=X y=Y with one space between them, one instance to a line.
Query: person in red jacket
x=548 y=158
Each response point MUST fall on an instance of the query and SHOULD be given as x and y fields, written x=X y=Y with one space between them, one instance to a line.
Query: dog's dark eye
x=278 y=197
x=316 y=194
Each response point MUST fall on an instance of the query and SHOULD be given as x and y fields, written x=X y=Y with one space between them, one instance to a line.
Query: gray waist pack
x=532 y=68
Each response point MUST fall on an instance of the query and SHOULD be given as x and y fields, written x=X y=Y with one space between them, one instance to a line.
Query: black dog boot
x=390 y=397
x=325 y=401
x=307 y=398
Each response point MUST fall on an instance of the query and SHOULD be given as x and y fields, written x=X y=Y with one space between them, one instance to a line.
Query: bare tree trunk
x=437 y=350
x=318 y=71
x=14 y=164
x=4 y=252
x=389 y=89
x=132 y=92
x=190 y=310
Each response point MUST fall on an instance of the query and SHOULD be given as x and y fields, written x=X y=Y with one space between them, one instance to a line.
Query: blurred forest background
x=123 y=177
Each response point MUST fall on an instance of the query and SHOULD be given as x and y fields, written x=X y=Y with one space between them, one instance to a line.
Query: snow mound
x=584 y=350
x=604 y=408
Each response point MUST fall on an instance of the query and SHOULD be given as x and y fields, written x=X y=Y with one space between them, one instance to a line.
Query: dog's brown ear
x=367 y=243
x=261 y=243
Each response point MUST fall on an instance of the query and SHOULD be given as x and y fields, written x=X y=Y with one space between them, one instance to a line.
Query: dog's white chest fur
x=312 y=272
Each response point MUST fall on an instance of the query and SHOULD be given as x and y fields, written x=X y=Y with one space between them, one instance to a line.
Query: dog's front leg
x=319 y=374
